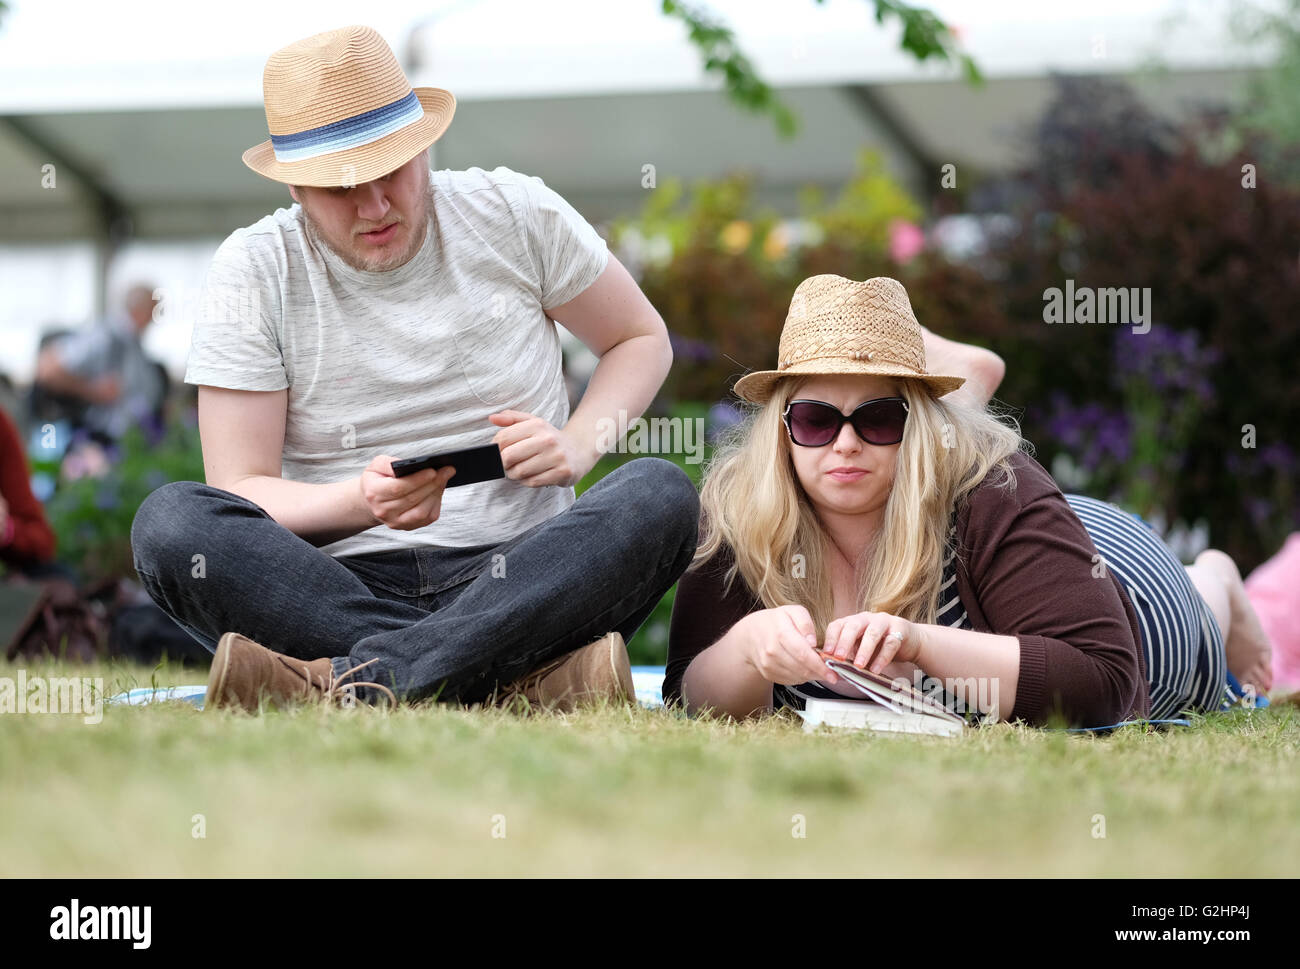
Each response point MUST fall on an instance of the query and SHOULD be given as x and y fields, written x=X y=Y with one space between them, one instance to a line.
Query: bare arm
x=618 y=324
x=243 y=438
x=983 y=369
x=966 y=654
x=734 y=676
x=723 y=680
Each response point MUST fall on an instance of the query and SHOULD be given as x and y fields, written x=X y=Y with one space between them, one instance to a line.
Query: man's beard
x=393 y=262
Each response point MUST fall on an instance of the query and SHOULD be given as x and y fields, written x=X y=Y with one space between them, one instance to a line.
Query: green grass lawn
x=423 y=790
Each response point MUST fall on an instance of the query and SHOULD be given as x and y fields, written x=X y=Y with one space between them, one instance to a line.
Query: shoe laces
x=521 y=686
x=346 y=694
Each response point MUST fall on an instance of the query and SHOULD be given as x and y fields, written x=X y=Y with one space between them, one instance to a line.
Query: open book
x=887 y=705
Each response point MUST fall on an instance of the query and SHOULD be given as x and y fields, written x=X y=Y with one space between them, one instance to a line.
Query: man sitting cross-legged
x=396 y=311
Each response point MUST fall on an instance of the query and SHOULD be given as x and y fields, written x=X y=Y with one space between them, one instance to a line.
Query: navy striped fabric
x=951 y=612
x=1181 y=640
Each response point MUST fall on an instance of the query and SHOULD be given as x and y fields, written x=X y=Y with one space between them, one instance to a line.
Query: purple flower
x=1095 y=436
x=1113 y=438
x=722 y=416
x=696 y=351
x=1171 y=362
x=1259 y=509
x=154 y=430
x=1278 y=456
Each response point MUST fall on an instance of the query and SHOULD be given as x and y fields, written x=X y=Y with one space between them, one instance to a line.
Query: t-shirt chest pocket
x=500 y=341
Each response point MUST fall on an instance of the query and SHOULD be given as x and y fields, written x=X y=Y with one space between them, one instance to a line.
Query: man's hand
x=534 y=452
x=403 y=503
x=104 y=390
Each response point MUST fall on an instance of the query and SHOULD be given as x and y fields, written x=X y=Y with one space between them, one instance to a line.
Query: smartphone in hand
x=472 y=465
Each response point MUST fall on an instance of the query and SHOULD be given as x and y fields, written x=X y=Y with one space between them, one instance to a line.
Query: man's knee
x=665 y=499
x=166 y=520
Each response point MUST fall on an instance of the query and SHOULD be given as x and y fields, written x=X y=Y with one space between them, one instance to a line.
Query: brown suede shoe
x=243 y=672
x=597 y=670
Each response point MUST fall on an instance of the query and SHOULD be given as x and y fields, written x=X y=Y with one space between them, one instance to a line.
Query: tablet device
x=472 y=465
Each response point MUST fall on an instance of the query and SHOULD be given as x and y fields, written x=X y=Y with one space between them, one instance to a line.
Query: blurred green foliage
x=91 y=516
x=649 y=647
x=721 y=269
x=1273 y=102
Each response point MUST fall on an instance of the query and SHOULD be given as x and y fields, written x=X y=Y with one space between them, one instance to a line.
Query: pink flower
x=906 y=240
x=85 y=460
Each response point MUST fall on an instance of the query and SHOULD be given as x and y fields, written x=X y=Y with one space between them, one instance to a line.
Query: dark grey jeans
x=454 y=622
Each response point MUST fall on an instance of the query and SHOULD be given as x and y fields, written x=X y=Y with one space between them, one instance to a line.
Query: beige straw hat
x=341 y=111
x=837 y=325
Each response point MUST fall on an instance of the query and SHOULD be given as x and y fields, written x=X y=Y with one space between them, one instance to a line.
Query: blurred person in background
x=106 y=368
x=26 y=539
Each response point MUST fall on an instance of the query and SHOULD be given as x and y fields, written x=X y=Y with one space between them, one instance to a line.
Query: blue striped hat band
x=360 y=129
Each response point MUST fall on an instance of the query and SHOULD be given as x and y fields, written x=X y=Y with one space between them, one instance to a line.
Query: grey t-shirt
x=410 y=361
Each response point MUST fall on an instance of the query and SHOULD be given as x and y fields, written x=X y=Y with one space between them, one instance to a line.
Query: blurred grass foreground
x=435 y=790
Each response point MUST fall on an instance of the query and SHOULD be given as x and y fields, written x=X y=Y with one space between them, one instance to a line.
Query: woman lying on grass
x=856 y=513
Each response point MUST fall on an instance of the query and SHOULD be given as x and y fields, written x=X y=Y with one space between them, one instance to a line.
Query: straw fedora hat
x=837 y=325
x=341 y=111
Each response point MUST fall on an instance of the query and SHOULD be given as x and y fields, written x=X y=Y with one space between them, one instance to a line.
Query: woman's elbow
x=1116 y=700
x=988 y=370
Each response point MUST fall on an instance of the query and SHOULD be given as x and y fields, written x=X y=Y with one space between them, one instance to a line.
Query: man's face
x=140 y=307
x=376 y=226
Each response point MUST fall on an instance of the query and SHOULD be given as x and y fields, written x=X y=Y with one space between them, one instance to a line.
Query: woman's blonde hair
x=752 y=500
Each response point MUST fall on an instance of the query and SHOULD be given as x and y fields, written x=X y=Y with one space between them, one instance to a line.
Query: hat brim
x=757 y=387
x=355 y=166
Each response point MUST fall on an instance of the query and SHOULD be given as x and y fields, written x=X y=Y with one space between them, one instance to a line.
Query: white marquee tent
x=144 y=108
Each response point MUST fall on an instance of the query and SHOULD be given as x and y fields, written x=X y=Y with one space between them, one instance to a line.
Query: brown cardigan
x=1024 y=568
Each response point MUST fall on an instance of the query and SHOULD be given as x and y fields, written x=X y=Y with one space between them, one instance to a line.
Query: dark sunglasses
x=813 y=423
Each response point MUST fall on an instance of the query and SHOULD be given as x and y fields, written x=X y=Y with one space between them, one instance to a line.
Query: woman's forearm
x=966 y=655
x=983 y=369
x=723 y=679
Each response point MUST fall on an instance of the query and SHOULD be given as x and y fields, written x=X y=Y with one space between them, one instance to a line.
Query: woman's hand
x=873 y=637
x=781 y=644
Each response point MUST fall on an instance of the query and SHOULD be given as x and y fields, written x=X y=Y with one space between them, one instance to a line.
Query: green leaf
x=924 y=36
